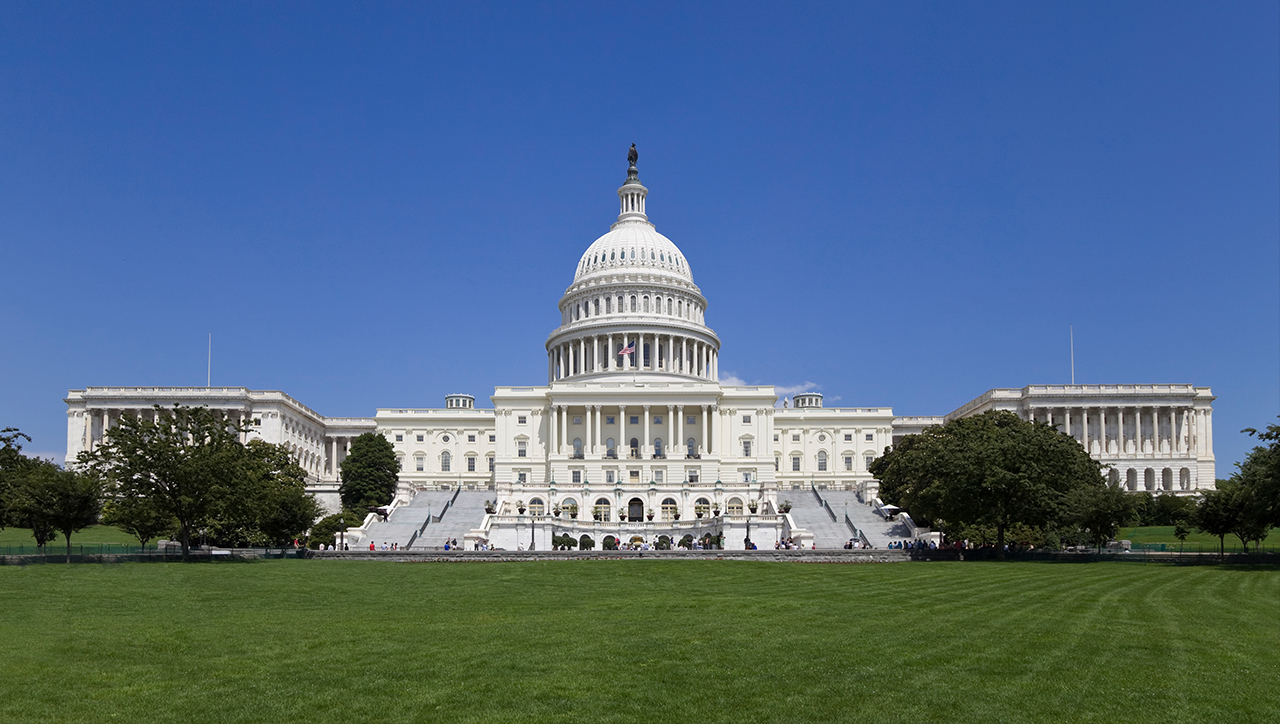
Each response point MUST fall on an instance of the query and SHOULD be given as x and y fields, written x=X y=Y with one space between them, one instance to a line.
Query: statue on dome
x=632 y=155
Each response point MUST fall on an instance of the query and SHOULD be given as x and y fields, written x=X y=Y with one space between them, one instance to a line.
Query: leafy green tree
x=183 y=462
x=1180 y=531
x=990 y=469
x=13 y=466
x=267 y=503
x=139 y=518
x=369 y=473
x=64 y=501
x=1215 y=513
x=1098 y=512
x=1260 y=473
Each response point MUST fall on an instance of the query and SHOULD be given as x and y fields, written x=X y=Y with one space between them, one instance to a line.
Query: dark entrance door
x=635 y=509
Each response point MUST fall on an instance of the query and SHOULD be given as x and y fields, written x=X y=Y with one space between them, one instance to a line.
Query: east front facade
x=633 y=436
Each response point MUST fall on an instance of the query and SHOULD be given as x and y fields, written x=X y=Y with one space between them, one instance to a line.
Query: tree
x=1181 y=532
x=1098 y=512
x=64 y=501
x=139 y=518
x=13 y=466
x=182 y=463
x=1214 y=513
x=1260 y=473
x=369 y=473
x=990 y=469
x=267 y=503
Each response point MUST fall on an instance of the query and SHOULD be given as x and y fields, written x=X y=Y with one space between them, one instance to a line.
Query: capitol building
x=634 y=437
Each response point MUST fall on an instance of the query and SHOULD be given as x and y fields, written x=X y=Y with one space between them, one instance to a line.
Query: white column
x=609 y=365
x=671 y=427
x=680 y=428
x=1084 y=427
x=1102 y=425
x=703 y=442
x=553 y=430
x=564 y=426
x=1120 y=414
x=646 y=447
x=1066 y=416
x=599 y=429
x=624 y=447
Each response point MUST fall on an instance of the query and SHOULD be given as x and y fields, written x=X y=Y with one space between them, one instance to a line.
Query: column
x=684 y=354
x=593 y=430
x=680 y=426
x=611 y=364
x=624 y=446
x=553 y=430
x=564 y=427
x=645 y=446
x=703 y=443
x=1066 y=416
x=1120 y=426
x=599 y=439
x=671 y=427
x=1084 y=429
x=1102 y=425
x=715 y=365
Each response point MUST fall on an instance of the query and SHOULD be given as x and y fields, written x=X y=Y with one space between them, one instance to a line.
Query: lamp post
x=342 y=533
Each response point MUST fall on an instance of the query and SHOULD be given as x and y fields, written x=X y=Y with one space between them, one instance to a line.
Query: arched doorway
x=686 y=542
x=635 y=509
x=635 y=448
x=610 y=543
x=585 y=543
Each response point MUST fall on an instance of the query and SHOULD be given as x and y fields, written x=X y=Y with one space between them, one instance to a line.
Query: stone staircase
x=406 y=520
x=466 y=513
x=809 y=513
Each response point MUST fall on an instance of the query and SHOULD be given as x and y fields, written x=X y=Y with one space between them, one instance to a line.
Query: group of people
x=913 y=545
x=385 y=546
x=787 y=544
x=451 y=544
x=856 y=544
x=332 y=547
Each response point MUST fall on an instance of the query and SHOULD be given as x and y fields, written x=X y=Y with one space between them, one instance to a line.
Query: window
x=746 y=448
x=657 y=419
x=633 y=297
x=746 y=419
x=795 y=463
x=746 y=476
x=822 y=461
x=609 y=476
x=537 y=507
x=399 y=438
x=490 y=457
x=692 y=475
x=734 y=507
x=419 y=463
x=848 y=437
x=471 y=438
x=577 y=476
x=868 y=459
x=419 y=438
x=445 y=459
x=691 y=447
x=848 y=462
x=870 y=437
x=471 y=463
x=493 y=438
x=521 y=420
x=775 y=437
x=522 y=449
x=522 y=478
x=608 y=303
x=608 y=420
x=669 y=508
x=657 y=447
x=577 y=447
x=776 y=462
x=657 y=476
x=795 y=437
x=635 y=420
x=445 y=438
x=691 y=420
x=577 y=420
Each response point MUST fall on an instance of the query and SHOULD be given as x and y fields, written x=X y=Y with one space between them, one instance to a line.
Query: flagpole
x=208 y=379
x=1072 y=331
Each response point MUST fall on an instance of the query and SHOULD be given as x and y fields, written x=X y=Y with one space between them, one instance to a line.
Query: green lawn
x=639 y=641
x=1195 y=541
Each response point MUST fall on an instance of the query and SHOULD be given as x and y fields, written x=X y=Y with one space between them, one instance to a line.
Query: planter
x=556 y=513
x=622 y=517
x=573 y=515
x=715 y=513
x=675 y=516
x=521 y=510
x=752 y=509
x=699 y=514
x=649 y=516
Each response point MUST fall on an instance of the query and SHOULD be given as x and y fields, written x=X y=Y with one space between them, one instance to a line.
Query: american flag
x=628 y=349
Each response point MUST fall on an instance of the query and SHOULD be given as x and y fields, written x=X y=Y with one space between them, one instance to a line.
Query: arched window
x=669 y=509
x=867 y=459
x=635 y=448
x=702 y=507
x=608 y=305
x=633 y=252
x=679 y=307
x=1184 y=477
x=610 y=448
x=734 y=507
x=537 y=507
x=633 y=302
x=635 y=509
x=577 y=447
x=1149 y=479
x=1131 y=479
x=612 y=255
x=1166 y=479
x=657 y=447
x=691 y=447
x=1113 y=476
x=601 y=509
x=445 y=460
x=822 y=461
x=646 y=303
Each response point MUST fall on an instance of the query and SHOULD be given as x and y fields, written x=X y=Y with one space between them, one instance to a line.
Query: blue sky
x=902 y=204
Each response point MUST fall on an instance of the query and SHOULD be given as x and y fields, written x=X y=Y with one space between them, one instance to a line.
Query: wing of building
x=633 y=436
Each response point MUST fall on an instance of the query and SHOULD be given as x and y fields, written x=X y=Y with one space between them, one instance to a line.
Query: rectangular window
x=471 y=438
x=848 y=462
x=577 y=476
x=635 y=420
x=608 y=420
x=795 y=437
x=493 y=438
x=868 y=460
x=522 y=449
x=746 y=448
x=870 y=437
x=471 y=463
x=795 y=463
x=822 y=464
x=693 y=476
x=657 y=476
x=635 y=476
x=746 y=419
x=399 y=438
x=746 y=477
x=521 y=420
x=691 y=420
x=657 y=419
x=444 y=463
x=775 y=438
x=520 y=477
x=848 y=437
x=419 y=462
x=577 y=419
x=419 y=438
x=609 y=477
x=490 y=464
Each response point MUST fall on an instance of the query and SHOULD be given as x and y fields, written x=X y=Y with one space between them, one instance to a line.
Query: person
x=371 y=546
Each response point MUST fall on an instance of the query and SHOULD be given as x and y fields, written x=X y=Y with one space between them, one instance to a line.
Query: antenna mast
x=1072 y=331
x=209 y=370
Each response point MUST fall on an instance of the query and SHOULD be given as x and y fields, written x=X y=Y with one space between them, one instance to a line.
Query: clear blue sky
x=904 y=204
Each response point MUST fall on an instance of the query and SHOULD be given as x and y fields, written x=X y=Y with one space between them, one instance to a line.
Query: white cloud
x=732 y=380
x=793 y=389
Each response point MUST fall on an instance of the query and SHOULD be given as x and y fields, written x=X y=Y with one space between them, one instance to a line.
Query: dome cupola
x=632 y=290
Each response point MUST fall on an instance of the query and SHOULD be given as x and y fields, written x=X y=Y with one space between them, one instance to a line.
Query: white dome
x=633 y=245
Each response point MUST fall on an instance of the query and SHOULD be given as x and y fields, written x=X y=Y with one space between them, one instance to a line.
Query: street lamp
x=342 y=533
